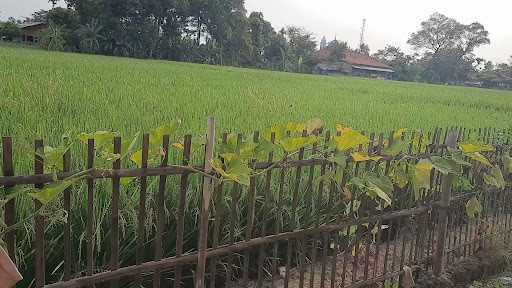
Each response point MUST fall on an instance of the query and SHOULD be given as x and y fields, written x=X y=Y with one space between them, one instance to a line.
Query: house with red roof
x=352 y=63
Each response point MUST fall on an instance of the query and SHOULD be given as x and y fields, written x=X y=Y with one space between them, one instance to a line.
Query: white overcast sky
x=388 y=22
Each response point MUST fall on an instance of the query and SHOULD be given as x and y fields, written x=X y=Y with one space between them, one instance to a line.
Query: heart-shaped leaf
x=446 y=166
x=382 y=186
x=349 y=140
x=479 y=158
x=294 y=144
x=50 y=192
x=476 y=147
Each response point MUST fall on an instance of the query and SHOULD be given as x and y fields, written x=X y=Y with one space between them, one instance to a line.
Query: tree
x=364 y=49
x=262 y=34
x=53 y=38
x=406 y=67
x=302 y=46
x=448 y=67
x=38 y=16
x=90 y=36
x=337 y=50
x=442 y=33
x=437 y=33
x=448 y=48
x=277 y=52
x=69 y=22
x=9 y=31
x=473 y=35
x=198 y=10
x=239 y=46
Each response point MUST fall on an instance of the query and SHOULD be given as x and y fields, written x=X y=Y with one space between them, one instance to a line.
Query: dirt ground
x=346 y=264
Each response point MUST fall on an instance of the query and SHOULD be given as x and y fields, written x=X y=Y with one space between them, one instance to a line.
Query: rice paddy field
x=47 y=94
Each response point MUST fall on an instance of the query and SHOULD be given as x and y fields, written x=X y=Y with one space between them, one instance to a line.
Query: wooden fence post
x=10 y=207
x=207 y=188
x=39 y=223
x=446 y=194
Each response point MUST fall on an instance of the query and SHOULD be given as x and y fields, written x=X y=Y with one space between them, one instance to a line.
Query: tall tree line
x=204 y=31
x=220 y=32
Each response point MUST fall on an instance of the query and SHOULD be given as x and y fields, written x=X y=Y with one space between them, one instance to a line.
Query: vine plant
x=234 y=161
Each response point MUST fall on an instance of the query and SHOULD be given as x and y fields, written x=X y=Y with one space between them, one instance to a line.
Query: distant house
x=31 y=32
x=352 y=63
x=500 y=81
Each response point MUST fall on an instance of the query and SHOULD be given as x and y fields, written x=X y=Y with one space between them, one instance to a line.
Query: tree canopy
x=203 y=31
x=445 y=54
x=220 y=32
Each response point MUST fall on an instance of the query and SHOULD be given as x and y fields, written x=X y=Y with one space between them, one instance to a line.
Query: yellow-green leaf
x=53 y=156
x=457 y=156
x=50 y=192
x=479 y=157
x=126 y=181
x=295 y=127
x=446 y=166
x=495 y=178
x=137 y=158
x=178 y=146
x=101 y=138
x=84 y=137
x=104 y=137
x=399 y=134
x=475 y=147
x=278 y=130
x=237 y=171
x=340 y=159
x=473 y=208
x=109 y=156
x=422 y=174
x=247 y=150
x=314 y=124
x=228 y=156
x=399 y=177
x=350 y=139
x=217 y=166
x=294 y=144
x=156 y=135
x=395 y=148
x=127 y=146
x=382 y=186
x=342 y=128
x=263 y=149
x=360 y=157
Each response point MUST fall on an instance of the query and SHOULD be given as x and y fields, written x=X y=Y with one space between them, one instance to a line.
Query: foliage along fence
x=293 y=207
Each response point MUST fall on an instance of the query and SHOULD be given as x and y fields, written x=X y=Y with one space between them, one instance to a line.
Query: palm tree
x=90 y=36
x=54 y=38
